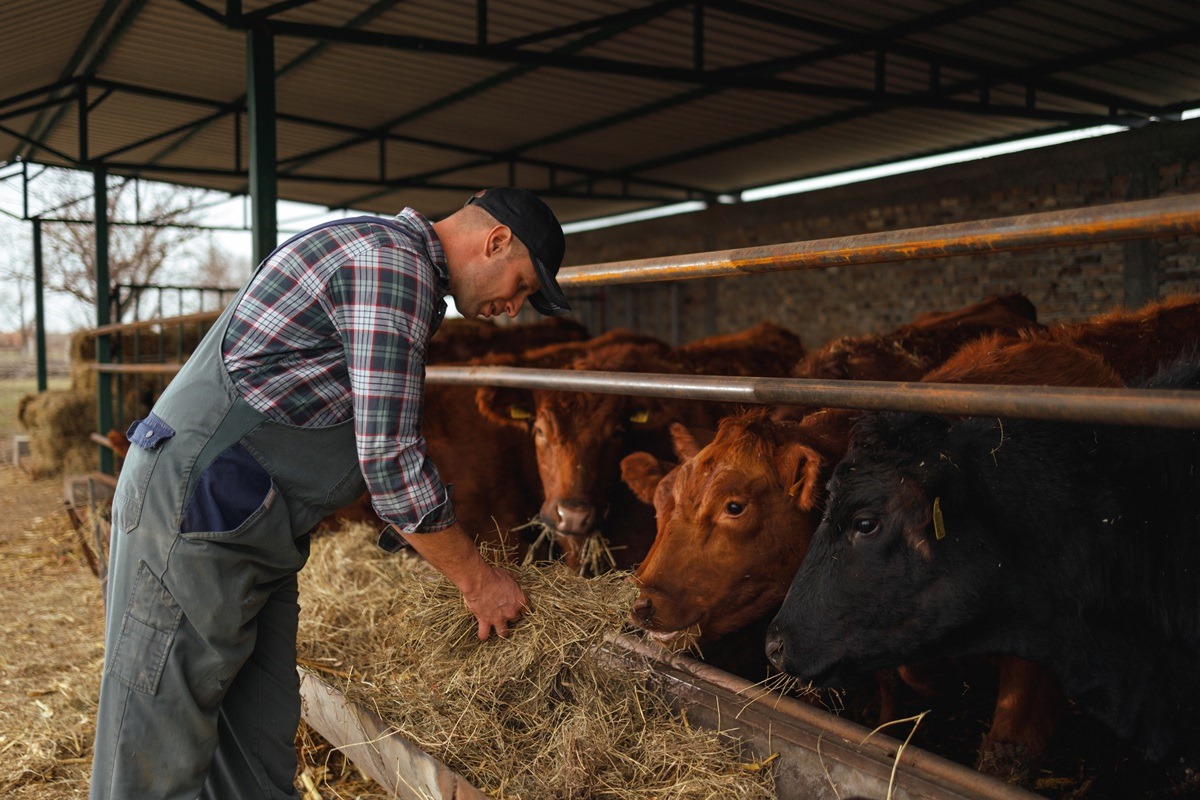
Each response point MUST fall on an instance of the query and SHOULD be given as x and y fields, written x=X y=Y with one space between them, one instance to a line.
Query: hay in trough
x=536 y=715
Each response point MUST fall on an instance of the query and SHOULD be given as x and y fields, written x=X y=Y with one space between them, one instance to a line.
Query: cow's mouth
x=676 y=641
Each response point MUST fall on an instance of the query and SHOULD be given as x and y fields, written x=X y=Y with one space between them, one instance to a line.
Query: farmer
x=308 y=389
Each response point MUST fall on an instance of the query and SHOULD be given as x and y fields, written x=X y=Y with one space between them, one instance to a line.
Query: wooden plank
x=821 y=756
x=391 y=760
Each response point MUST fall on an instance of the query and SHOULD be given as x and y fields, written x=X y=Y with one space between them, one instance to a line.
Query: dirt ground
x=52 y=629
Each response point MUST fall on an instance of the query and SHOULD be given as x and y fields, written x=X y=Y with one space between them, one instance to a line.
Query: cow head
x=897 y=567
x=734 y=520
x=580 y=437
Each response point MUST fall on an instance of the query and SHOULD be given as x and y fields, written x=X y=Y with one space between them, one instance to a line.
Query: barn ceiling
x=602 y=106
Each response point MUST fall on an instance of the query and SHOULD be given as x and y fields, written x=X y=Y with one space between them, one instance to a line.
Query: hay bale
x=536 y=715
x=59 y=423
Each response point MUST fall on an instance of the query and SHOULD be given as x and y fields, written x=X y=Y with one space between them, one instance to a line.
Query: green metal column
x=39 y=306
x=260 y=101
x=104 y=415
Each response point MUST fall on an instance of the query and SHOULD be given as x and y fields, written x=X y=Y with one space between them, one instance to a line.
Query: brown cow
x=911 y=350
x=492 y=468
x=581 y=436
x=1137 y=342
x=735 y=519
x=464 y=339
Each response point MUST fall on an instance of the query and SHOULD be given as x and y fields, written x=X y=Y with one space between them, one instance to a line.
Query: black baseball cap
x=535 y=225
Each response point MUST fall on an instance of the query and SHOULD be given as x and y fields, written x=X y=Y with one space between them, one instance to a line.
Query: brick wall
x=1065 y=283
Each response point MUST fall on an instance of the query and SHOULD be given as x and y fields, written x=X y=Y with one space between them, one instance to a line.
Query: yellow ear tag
x=640 y=417
x=516 y=412
x=939 y=524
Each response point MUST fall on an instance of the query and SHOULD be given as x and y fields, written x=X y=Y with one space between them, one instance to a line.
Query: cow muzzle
x=573 y=518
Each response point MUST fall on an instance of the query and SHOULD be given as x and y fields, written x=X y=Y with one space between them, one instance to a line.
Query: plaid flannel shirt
x=335 y=325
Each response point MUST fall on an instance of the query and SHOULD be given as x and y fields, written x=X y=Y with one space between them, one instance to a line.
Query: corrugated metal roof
x=602 y=106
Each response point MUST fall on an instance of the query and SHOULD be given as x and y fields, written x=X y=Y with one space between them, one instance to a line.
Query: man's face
x=496 y=282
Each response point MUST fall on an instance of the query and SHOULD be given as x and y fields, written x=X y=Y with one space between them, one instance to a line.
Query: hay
x=59 y=423
x=537 y=715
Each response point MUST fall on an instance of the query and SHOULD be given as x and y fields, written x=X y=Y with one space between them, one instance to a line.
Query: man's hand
x=491 y=593
x=497 y=603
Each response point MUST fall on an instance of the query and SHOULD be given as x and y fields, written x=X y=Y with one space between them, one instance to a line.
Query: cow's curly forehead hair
x=903 y=436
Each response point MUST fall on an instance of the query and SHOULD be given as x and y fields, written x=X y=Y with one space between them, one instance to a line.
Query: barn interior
x=697 y=109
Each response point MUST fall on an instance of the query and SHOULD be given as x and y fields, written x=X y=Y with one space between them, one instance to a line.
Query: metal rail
x=1138 y=219
x=163 y=322
x=1162 y=408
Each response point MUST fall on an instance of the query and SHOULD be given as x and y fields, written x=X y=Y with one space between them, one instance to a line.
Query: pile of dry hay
x=534 y=716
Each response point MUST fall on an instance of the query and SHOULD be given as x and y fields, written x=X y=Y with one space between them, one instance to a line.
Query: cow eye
x=734 y=509
x=864 y=527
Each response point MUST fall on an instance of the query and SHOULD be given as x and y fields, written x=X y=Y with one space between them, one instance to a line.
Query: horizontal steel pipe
x=169 y=368
x=1162 y=216
x=158 y=322
x=1168 y=409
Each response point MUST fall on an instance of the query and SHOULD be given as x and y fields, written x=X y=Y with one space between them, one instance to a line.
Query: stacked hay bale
x=537 y=715
x=59 y=423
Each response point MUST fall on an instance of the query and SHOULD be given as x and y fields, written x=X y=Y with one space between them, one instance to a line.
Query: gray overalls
x=210 y=523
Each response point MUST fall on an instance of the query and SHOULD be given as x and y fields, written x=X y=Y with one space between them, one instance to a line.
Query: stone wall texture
x=1065 y=283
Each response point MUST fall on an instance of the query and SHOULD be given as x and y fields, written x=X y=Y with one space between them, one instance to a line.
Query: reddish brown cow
x=1137 y=342
x=463 y=339
x=910 y=351
x=735 y=519
x=492 y=467
x=581 y=436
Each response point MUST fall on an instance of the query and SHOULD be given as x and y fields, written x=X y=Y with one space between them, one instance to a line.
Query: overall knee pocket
x=147 y=632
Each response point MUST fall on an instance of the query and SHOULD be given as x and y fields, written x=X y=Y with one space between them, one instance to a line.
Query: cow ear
x=685 y=443
x=642 y=473
x=800 y=469
x=506 y=406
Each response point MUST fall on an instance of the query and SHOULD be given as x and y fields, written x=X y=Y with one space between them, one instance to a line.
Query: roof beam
x=602 y=29
x=868 y=40
x=717 y=80
x=106 y=29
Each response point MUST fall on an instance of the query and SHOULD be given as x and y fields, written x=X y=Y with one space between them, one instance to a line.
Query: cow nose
x=643 y=610
x=574 y=518
x=775 y=651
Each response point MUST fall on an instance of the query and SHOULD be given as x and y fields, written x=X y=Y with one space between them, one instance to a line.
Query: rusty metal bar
x=1138 y=219
x=122 y=327
x=1162 y=408
x=169 y=368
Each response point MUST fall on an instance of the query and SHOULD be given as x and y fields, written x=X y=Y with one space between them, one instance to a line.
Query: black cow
x=1071 y=545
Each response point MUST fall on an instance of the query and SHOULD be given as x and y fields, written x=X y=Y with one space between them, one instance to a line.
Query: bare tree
x=137 y=252
x=16 y=286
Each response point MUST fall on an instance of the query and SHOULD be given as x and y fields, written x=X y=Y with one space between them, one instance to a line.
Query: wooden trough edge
x=822 y=756
x=393 y=762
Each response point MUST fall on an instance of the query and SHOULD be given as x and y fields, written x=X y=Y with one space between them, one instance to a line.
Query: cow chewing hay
x=536 y=715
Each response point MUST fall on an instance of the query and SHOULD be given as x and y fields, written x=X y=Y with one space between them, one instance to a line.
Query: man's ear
x=499 y=239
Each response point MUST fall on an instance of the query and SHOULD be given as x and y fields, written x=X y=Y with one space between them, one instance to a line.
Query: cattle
x=1137 y=342
x=910 y=351
x=492 y=468
x=462 y=339
x=581 y=437
x=735 y=519
x=1071 y=545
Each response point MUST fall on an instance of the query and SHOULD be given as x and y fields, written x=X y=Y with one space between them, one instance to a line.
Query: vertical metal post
x=260 y=98
x=104 y=415
x=39 y=307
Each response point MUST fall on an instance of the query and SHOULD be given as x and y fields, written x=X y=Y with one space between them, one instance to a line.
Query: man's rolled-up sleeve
x=384 y=307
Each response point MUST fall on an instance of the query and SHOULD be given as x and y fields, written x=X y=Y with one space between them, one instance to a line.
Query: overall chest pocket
x=147 y=438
